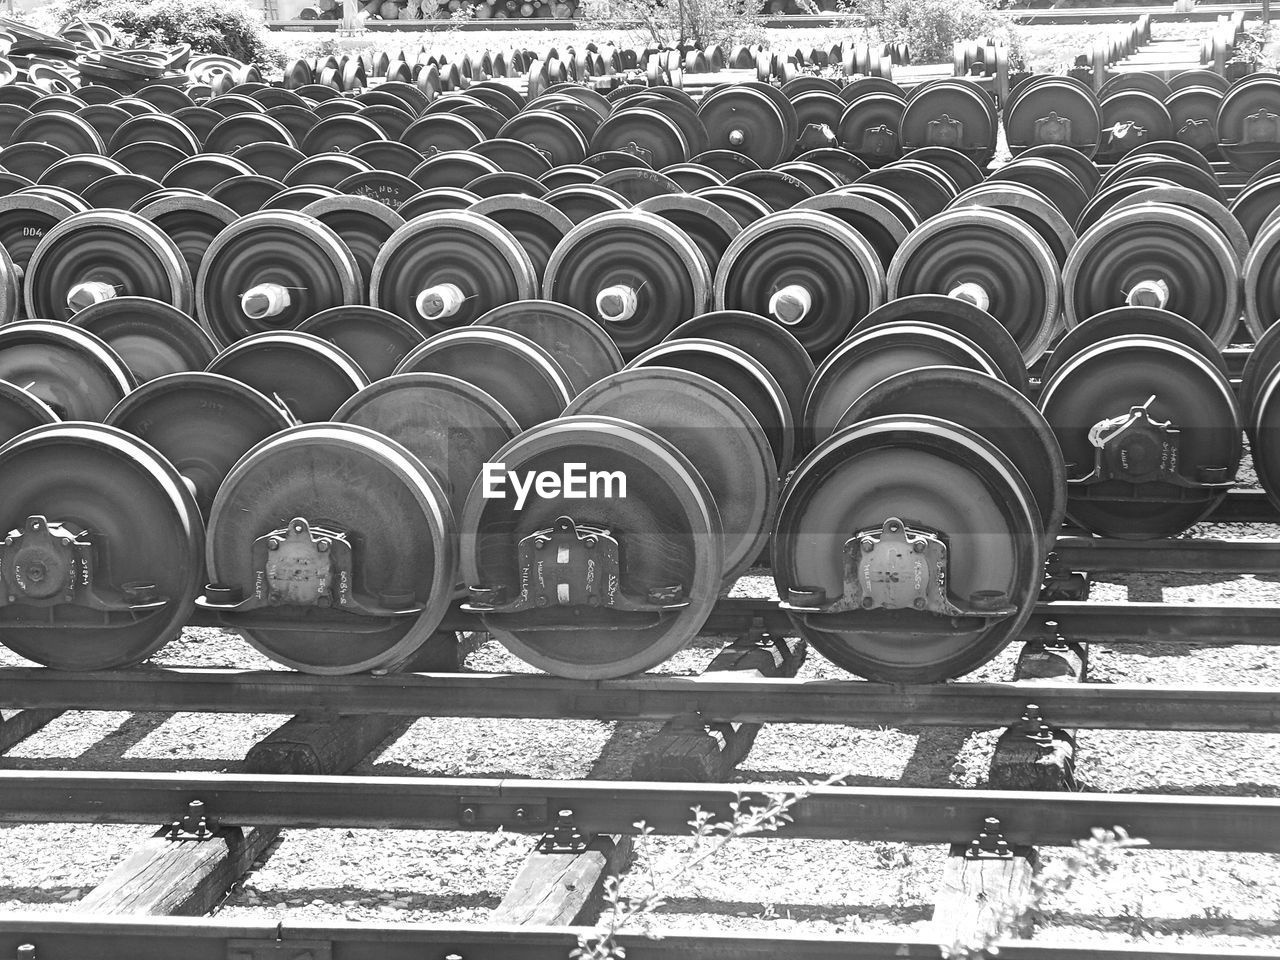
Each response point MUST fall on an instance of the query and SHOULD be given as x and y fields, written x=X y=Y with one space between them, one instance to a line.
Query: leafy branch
x=710 y=835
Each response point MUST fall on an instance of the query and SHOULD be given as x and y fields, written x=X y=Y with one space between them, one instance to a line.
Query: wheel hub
x=305 y=565
x=573 y=565
x=897 y=567
x=50 y=564
x=1144 y=455
x=264 y=300
x=1148 y=293
x=88 y=293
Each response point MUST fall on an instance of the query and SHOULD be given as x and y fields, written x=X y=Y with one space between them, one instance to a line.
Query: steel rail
x=654 y=698
x=1169 y=556
x=1245 y=506
x=1119 y=623
x=63 y=937
x=824 y=812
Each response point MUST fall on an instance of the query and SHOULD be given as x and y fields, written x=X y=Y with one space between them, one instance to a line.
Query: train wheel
x=511 y=368
x=24 y=220
x=807 y=270
x=1029 y=206
x=375 y=339
x=203 y=423
x=991 y=409
x=871 y=128
x=363 y=224
x=635 y=185
x=1084 y=170
x=635 y=272
x=436 y=199
x=151 y=337
x=726 y=163
x=1216 y=213
x=877 y=225
x=964 y=173
x=309 y=376
x=579 y=345
x=744 y=207
x=536 y=224
x=655 y=555
x=452 y=426
x=270 y=271
x=20 y=410
x=1260 y=398
x=772 y=344
x=716 y=431
x=870 y=356
x=1137 y=322
x=443 y=269
x=1155 y=255
x=102 y=561
x=742 y=375
x=961 y=317
x=1150 y=431
x=753 y=119
x=708 y=225
x=1264 y=357
x=191 y=220
x=332 y=550
x=990 y=259
x=70 y=369
x=102 y=254
x=1055 y=111
x=889 y=495
x=928 y=190
x=1247 y=107
x=1261 y=289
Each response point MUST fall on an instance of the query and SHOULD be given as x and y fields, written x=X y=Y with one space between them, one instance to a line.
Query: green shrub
x=931 y=27
x=229 y=28
x=666 y=23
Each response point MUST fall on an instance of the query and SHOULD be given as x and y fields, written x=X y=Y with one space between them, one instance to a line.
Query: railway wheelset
x=344 y=371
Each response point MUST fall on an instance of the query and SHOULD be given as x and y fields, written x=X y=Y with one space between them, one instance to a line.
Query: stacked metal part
x=264 y=351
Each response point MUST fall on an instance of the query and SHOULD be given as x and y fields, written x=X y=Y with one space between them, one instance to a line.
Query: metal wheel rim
x=873 y=355
x=375 y=339
x=671 y=277
x=957 y=482
x=790 y=248
x=743 y=375
x=148 y=525
x=463 y=248
x=449 y=424
x=1188 y=389
x=202 y=423
x=938 y=256
x=309 y=376
x=416 y=542
x=1200 y=268
x=152 y=338
x=511 y=368
x=110 y=246
x=768 y=341
x=274 y=246
x=651 y=465
x=716 y=432
x=987 y=406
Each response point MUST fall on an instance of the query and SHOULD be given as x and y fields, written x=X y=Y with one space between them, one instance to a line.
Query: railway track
x=120 y=938
x=260 y=361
